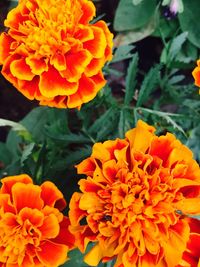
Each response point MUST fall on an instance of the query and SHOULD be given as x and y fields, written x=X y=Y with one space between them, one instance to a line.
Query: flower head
x=53 y=54
x=135 y=199
x=33 y=231
x=196 y=74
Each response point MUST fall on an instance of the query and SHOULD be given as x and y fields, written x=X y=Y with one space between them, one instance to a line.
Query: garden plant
x=103 y=170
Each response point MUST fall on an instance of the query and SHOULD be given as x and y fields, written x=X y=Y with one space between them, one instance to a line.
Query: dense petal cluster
x=196 y=74
x=135 y=201
x=53 y=54
x=33 y=231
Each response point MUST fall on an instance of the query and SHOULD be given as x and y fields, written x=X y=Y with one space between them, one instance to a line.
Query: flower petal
x=48 y=258
x=27 y=195
x=52 y=84
x=21 y=70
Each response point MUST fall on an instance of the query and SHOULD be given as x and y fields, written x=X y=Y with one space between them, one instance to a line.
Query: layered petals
x=137 y=202
x=33 y=231
x=52 y=53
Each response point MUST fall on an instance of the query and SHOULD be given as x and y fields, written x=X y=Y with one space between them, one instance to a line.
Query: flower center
x=49 y=27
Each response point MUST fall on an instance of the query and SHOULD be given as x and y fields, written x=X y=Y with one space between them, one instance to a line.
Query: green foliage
x=129 y=16
x=189 y=21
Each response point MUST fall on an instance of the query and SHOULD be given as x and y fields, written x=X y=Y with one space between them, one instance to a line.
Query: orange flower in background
x=196 y=74
x=135 y=199
x=52 y=54
x=33 y=231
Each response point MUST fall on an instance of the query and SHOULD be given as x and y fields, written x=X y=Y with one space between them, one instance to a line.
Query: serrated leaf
x=122 y=52
x=167 y=116
x=131 y=79
x=68 y=138
x=27 y=152
x=125 y=121
x=150 y=82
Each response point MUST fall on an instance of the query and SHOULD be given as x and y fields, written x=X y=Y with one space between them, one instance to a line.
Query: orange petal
x=34 y=216
x=176 y=244
x=74 y=101
x=76 y=64
x=109 y=38
x=110 y=170
x=88 y=11
x=188 y=206
x=65 y=237
x=98 y=45
x=94 y=66
x=75 y=213
x=50 y=227
x=30 y=89
x=86 y=166
x=5 y=42
x=52 y=84
x=8 y=182
x=140 y=137
x=84 y=33
x=58 y=61
x=52 y=196
x=89 y=185
x=6 y=204
x=90 y=202
x=99 y=80
x=21 y=70
x=94 y=256
x=52 y=254
x=38 y=66
x=87 y=90
x=29 y=198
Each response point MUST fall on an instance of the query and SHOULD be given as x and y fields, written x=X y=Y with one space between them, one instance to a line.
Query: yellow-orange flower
x=53 y=54
x=196 y=74
x=33 y=231
x=135 y=199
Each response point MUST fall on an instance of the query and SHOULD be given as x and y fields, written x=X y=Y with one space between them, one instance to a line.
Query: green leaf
x=69 y=138
x=136 y=2
x=15 y=126
x=189 y=19
x=150 y=83
x=104 y=124
x=193 y=142
x=35 y=121
x=122 y=52
x=176 y=45
x=127 y=37
x=131 y=79
x=176 y=79
x=72 y=159
x=167 y=116
x=28 y=149
x=5 y=156
x=125 y=122
x=130 y=17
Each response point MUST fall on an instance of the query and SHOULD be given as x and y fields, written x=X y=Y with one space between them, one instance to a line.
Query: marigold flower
x=53 y=54
x=33 y=231
x=135 y=199
x=196 y=74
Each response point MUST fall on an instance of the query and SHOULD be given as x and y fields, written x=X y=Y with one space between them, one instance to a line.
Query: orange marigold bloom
x=196 y=74
x=53 y=54
x=33 y=231
x=135 y=199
